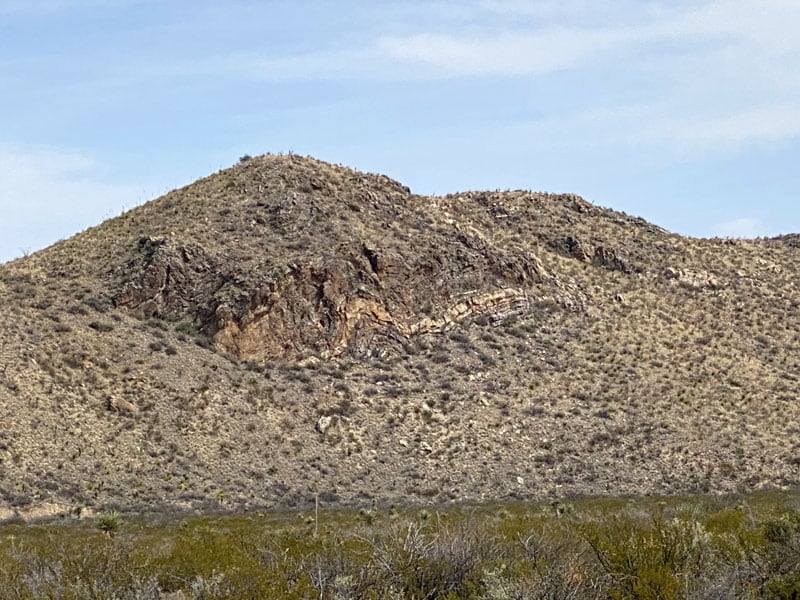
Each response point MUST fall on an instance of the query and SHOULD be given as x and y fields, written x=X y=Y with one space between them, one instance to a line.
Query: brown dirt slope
x=288 y=327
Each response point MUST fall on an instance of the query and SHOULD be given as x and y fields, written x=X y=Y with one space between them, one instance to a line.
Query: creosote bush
x=737 y=548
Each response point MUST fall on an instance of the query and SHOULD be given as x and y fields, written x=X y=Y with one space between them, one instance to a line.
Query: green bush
x=604 y=548
x=109 y=522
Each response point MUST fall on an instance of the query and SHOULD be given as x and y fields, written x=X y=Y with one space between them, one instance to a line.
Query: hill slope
x=288 y=327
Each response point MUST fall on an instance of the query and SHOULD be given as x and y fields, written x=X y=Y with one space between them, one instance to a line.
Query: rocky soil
x=287 y=327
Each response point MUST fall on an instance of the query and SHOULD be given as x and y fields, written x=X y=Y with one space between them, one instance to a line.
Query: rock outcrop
x=366 y=301
x=596 y=254
x=696 y=280
x=165 y=278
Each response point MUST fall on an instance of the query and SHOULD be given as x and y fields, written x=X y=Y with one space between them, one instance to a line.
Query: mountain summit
x=287 y=327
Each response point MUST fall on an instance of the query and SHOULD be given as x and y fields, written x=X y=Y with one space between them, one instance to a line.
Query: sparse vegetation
x=476 y=345
x=743 y=547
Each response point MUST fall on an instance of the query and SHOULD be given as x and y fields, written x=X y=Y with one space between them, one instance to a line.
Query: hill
x=287 y=327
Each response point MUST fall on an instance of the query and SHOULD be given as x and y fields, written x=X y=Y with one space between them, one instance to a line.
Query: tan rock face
x=691 y=279
x=369 y=301
x=339 y=308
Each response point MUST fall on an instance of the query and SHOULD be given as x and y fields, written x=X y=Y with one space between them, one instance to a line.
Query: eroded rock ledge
x=366 y=301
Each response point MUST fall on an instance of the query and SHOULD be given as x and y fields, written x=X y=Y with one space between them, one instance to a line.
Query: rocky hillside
x=287 y=327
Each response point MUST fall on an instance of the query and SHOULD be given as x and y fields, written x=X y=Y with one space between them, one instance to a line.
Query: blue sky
x=684 y=113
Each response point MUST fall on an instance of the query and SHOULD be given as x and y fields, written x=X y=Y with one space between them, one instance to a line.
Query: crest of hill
x=287 y=327
x=284 y=205
x=325 y=258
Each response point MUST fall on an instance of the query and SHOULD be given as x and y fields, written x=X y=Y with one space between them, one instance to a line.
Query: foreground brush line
x=698 y=548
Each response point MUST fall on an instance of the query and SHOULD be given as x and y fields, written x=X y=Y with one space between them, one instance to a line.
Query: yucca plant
x=109 y=522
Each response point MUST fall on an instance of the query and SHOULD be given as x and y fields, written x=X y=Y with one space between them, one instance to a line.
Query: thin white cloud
x=50 y=194
x=727 y=42
x=657 y=128
x=770 y=23
x=43 y=7
x=351 y=63
x=509 y=54
x=531 y=49
x=745 y=227
x=769 y=123
x=728 y=74
x=548 y=12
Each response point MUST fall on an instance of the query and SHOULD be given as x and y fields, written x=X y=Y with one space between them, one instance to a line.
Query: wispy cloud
x=727 y=39
x=43 y=7
x=758 y=124
x=506 y=55
x=745 y=227
x=51 y=194
x=541 y=45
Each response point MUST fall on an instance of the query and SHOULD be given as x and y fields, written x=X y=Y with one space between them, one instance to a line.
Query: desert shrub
x=778 y=561
x=786 y=587
x=441 y=562
x=100 y=304
x=186 y=327
x=440 y=358
x=203 y=342
x=604 y=548
x=77 y=309
x=50 y=564
x=101 y=326
x=155 y=323
x=486 y=359
x=460 y=338
x=649 y=562
x=206 y=558
x=545 y=562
